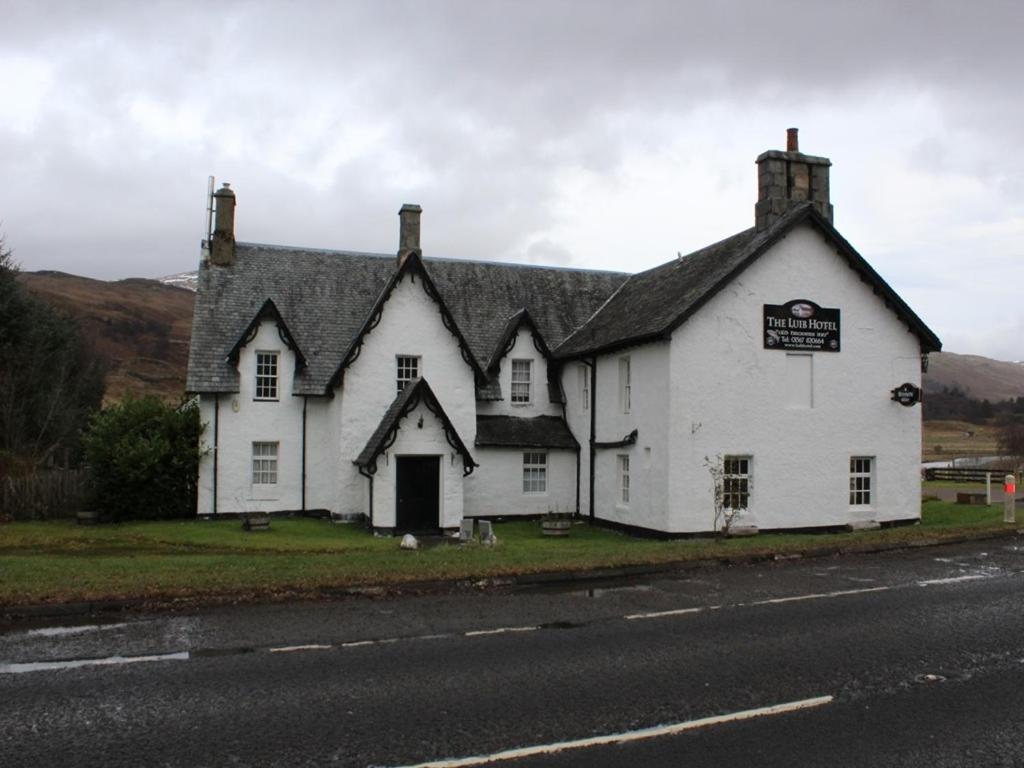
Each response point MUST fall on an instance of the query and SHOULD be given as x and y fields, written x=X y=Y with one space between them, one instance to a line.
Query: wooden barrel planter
x=556 y=525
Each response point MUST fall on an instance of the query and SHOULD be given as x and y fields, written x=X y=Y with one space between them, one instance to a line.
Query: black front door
x=418 y=482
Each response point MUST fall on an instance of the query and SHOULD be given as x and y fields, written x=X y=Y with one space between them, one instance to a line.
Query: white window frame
x=521 y=388
x=623 y=478
x=264 y=462
x=584 y=387
x=625 y=384
x=268 y=369
x=736 y=486
x=535 y=473
x=862 y=475
x=407 y=368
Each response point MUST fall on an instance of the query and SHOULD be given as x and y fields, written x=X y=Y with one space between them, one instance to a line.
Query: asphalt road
x=902 y=659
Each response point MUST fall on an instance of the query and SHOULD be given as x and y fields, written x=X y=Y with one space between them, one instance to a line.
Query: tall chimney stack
x=785 y=179
x=408 y=232
x=222 y=249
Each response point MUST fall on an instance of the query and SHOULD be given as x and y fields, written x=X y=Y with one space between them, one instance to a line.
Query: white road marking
x=955 y=579
x=292 y=648
x=659 y=614
x=627 y=736
x=61 y=631
x=501 y=631
x=358 y=643
x=818 y=596
x=44 y=666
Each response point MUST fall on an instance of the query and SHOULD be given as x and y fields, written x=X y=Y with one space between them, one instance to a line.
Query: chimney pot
x=408 y=232
x=222 y=249
x=792 y=140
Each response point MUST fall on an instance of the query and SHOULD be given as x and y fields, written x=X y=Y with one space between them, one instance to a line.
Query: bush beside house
x=143 y=456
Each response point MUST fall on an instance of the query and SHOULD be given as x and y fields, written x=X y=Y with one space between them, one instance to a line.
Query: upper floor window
x=584 y=387
x=266 y=375
x=736 y=482
x=522 y=374
x=408 y=369
x=264 y=463
x=625 y=385
x=860 y=481
x=535 y=473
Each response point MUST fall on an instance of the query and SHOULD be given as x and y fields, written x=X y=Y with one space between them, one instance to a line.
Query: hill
x=978 y=377
x=142 y=327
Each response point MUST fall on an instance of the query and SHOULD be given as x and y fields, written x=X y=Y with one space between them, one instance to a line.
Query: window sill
x=266 y=399
x=535 y=493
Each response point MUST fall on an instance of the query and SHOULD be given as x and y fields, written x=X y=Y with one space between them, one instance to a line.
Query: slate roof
x=651 y=304
x=415 y=392
x=325 y=297
x=521 y=432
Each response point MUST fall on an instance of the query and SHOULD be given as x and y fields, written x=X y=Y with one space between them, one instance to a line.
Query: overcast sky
x=587 y=134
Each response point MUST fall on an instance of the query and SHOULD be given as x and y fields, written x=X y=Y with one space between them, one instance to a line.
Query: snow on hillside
x=185 y=280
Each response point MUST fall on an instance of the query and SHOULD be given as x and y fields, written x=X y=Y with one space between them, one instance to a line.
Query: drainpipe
x=305 y=400
x=565 y=418
x=216 y=446
x=593 y=429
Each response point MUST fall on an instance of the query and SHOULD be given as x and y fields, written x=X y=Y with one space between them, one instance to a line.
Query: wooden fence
x=45 y=495
x=965 y=475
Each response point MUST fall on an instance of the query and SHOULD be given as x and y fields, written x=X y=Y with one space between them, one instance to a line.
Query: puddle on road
x=42 y=666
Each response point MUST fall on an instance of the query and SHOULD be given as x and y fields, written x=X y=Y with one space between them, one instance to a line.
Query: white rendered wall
x=416 y=441
x=495 y=489
x=540 y=404
x=577 y=416
x=649 y=458
x=729 y=395
x=410 y=325
x=244 y=420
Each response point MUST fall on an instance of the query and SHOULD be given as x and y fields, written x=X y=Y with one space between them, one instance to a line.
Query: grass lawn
x=59 y=561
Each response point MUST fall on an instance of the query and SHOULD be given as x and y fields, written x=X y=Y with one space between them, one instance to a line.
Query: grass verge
x=58 y=561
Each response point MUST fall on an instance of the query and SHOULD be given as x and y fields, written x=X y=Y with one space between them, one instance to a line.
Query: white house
x=412 y=392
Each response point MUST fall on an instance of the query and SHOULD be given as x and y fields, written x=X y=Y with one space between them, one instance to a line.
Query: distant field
x=946 y=439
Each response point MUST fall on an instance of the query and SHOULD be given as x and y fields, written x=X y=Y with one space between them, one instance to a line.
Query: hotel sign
x=801 y=325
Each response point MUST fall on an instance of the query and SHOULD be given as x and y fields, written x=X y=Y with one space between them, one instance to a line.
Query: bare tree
x=723 y=515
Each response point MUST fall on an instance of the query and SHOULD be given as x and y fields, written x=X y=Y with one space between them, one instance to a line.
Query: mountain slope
x=979 y=377
x=142 y=327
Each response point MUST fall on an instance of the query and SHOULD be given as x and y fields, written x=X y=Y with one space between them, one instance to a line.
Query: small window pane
x=535 y=472
x=860 y=481
x=264 y=463
x=624 y=479
x=521 y=375
x=736 y=482
x=408 y=369
x=266 y=375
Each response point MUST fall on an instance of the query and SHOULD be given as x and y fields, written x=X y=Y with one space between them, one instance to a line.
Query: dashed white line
x=817 y=596
x=659 y=614
x=42 y=666
x=627 y=736
x=499 y=631
x=293 y=648
x=955 y=579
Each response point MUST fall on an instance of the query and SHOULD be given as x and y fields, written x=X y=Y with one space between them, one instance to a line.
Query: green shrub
x=143 y=456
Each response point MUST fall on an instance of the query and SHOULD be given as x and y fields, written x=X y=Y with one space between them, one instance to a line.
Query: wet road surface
x=911 y=658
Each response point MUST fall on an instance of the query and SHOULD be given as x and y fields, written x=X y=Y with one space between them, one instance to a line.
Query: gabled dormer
x=521 y=379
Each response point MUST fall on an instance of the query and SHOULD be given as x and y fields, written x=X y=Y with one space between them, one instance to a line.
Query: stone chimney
x=408 y=232
x=222 y=248
x=787 y=178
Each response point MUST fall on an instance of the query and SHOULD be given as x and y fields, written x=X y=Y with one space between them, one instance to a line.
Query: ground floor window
x=624 y=478
x=535 y=473
x=860 y=480
x=264 y=463
x=736 y=482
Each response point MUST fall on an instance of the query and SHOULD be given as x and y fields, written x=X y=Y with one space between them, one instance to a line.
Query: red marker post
x=1009 y=491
